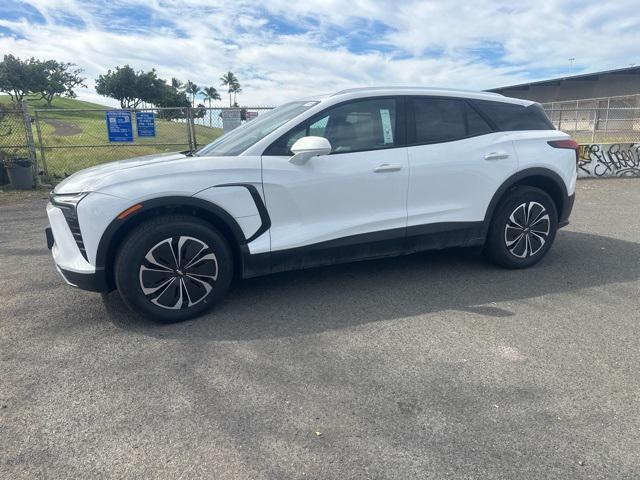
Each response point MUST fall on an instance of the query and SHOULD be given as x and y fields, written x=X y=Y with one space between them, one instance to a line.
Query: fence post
x=560 y=120
x=606 y=120
x=41 y=143
x=193 y=134
x=189 y=136
x=595 y=124
x=194 y=140
x=31 y=147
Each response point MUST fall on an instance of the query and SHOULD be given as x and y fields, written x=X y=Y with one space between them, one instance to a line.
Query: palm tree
x=177 y=84
x=236 y=89
x=230 y=81
x=210 y=93
x=192 y=89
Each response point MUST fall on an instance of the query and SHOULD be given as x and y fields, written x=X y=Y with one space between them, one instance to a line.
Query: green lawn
x=74 y=140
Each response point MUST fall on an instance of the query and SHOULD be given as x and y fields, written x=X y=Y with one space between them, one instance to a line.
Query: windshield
x=238 y=140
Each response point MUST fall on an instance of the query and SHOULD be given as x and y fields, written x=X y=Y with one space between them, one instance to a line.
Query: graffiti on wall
x=609 y=160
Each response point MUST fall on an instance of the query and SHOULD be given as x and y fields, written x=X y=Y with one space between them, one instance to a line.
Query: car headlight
x=68 y=200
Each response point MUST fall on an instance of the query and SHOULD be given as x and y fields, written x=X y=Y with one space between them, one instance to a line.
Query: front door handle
x=496 y=156
x=387 y=167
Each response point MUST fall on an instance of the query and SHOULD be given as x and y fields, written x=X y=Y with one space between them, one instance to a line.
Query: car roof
x=431 y=91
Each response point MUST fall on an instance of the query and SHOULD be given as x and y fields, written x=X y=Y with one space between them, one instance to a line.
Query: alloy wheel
x=178 y=272
x=527 y=229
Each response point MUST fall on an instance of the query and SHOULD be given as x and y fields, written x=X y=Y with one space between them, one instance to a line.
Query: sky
x=286 y=49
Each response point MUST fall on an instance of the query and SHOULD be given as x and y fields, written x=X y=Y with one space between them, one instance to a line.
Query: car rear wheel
x=523 y=228
x=173 y=268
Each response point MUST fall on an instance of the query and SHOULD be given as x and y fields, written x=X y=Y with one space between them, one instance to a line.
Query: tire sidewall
x=496 y=244
x=142 y=240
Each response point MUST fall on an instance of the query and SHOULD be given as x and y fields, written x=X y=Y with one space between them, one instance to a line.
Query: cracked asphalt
x=436 y=365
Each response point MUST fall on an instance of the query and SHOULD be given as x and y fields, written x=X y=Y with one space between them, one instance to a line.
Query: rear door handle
x=496 y=156
x=387 y=167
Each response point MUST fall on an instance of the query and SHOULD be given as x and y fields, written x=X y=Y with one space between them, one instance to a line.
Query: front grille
x=71 y=216
x=72 y=220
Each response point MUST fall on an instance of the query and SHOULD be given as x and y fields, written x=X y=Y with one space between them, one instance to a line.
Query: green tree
x=131 y=88
x=57 y=78
x=19 y=77
x=192 y=89
x=174 y=99
x=230 y=81
x=150 y=88
x=120 y=84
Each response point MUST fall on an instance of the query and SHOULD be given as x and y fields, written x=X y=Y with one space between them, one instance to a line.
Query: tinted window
x=444 y=119
x=476 y=125
x=509 y=116
x=350 y=127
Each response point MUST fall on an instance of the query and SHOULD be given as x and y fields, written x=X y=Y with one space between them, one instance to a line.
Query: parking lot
x=435 y=365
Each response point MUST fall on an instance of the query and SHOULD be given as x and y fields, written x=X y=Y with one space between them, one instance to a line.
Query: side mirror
x=307 y=147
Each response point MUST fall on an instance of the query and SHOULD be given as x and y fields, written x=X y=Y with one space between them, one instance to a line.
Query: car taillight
x=570 y=144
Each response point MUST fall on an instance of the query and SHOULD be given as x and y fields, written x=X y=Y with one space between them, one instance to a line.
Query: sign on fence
x=230 y=119
x=146 y=124
x=119 y=127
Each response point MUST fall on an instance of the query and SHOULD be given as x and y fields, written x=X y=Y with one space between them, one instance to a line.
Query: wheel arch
x=118 y=229
x=543 y=178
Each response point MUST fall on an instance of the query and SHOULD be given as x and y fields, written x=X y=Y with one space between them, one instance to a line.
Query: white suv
x=359 y=174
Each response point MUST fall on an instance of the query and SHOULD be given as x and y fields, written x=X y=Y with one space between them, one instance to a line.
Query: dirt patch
x=9 y=196
x=64 y=129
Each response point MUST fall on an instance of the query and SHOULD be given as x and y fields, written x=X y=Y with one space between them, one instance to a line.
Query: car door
x=456 y=163
x=350 y=203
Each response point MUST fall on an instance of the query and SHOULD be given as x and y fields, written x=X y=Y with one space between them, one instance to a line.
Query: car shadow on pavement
x=344 y=296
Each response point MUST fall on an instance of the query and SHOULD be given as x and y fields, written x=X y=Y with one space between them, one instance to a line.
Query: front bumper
x=70 y=262
x=93 y=282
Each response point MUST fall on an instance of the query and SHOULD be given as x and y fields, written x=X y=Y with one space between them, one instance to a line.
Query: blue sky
x=282 y=49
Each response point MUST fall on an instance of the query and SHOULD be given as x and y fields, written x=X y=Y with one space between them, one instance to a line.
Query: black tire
x=193 y=267
x=511 y=240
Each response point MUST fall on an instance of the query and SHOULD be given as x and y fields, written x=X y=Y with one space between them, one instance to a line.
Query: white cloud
x=281 y=49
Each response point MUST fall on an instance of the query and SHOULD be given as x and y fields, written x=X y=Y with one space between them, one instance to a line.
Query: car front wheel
x=173 y=268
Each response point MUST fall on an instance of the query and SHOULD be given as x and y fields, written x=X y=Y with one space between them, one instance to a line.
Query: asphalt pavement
x=436 y=365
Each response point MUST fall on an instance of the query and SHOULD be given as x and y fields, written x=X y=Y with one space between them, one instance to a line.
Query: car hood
x=90 y=179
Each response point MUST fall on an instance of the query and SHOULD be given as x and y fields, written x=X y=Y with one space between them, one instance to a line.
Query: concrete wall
x=609 y=160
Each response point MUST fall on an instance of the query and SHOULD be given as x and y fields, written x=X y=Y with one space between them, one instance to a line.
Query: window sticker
x=387 y=131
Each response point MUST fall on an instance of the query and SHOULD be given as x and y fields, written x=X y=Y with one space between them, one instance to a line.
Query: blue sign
x=146 y=124
x=119 y=127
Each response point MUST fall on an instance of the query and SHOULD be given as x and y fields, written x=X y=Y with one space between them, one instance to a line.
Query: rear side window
x=445 y=119
x=509 y=116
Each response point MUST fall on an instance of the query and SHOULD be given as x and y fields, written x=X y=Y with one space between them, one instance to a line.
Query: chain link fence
x=598 y=120
x=598 y=125
x=72 y=139
x=64 y=141
x=16 y=140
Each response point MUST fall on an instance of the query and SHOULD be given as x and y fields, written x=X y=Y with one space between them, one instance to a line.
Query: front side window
x=240 y=139
x=444 y=120
x=350 y=127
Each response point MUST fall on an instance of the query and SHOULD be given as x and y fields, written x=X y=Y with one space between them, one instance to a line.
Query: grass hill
x=74 y=140
x=58 y=102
